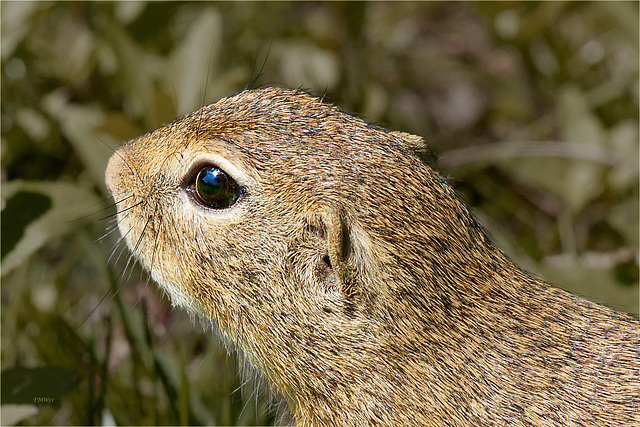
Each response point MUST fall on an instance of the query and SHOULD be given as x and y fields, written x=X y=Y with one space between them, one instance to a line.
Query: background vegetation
x=532 y=108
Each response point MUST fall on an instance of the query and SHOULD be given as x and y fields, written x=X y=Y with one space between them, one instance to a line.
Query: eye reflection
x=215 y=189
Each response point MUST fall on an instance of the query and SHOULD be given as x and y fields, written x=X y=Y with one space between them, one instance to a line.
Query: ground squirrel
x=348 y=273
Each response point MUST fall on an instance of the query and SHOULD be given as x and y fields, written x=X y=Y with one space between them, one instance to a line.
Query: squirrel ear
x=419 y=147
x=345 y=261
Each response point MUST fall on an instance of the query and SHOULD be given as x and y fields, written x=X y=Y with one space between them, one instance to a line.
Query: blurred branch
x=511 y=149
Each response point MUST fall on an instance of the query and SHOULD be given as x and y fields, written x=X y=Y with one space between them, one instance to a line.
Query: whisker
x=152 y=263
x=168 y=332
x=122 y=249
x=253 y=80
x=116 y=152
x=93 y=213
x=324 y=94
x=153 y=254
x=206 y=88
x=113 y=150
x=129 y=262
x=247 y=400
x=126 y=210
x=109 y=230
x=122 y=210
x=131 y=168
x=246 y=381
x=115 y=282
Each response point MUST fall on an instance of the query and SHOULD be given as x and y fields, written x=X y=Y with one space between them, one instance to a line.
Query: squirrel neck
x=409 y=345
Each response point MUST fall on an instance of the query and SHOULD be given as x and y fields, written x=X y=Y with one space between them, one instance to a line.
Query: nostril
x=327 y=260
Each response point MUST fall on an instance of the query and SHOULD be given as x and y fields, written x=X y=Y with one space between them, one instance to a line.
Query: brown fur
x=352 y=277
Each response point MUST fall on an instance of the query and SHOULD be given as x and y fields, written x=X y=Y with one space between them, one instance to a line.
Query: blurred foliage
x=532 y=107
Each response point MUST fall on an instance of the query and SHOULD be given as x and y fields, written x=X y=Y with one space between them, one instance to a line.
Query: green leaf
x=624 y=17
x=51 y=209
x=190 y=60
x=20 y=211
x=16 y=23
x=623 y=138
x=580 y=276
x=80 y=124
x=138 y=71
x=306 y=65
x=13 y=414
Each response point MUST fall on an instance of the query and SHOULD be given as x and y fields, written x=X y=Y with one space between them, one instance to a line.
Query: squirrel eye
x=215 y=188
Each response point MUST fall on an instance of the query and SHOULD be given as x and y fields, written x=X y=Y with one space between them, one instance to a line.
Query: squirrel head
x=297 y=229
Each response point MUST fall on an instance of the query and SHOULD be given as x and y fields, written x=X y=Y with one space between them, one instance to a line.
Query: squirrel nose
x=114 y=171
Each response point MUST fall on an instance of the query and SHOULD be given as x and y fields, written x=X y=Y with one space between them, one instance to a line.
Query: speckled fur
x=351 y=276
